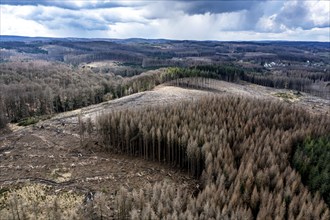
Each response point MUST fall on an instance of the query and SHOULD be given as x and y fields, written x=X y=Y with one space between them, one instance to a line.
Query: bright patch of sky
x=224 y=20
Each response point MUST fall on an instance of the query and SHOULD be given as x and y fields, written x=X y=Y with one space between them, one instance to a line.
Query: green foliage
x=28 y=121
x=33 y=120
x=223 y=72
x=312 y=160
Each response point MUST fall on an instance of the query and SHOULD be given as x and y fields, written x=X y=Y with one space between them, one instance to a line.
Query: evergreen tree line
x=239 y=148
x=311 y=159
x=226 y=73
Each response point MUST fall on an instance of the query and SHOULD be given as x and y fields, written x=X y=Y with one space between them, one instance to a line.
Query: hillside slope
x=50 y=152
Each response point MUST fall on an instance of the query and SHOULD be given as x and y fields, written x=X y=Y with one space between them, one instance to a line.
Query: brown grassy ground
x=49 y=152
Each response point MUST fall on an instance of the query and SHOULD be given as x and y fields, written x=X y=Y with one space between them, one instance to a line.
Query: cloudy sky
x=172 y=19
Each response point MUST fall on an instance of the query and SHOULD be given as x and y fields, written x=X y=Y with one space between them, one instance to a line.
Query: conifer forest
x=164 y=129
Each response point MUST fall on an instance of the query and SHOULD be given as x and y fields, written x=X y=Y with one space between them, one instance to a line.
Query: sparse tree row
x=240 y=149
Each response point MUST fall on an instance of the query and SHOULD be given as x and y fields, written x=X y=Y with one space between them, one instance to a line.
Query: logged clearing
x=50 y=153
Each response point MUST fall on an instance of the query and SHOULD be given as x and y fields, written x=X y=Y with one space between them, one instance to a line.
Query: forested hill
x=195 y=129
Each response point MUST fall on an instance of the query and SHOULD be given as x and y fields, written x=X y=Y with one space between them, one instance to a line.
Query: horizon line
x=166 y=39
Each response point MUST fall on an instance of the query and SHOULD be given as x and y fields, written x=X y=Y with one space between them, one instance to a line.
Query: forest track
x=50 y=150
x=165 y=94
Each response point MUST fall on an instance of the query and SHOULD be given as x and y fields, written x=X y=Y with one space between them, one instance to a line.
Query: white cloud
x=304 y=14
x=181 y=26
x=10 y=23
x=319 y=12
x=268 y=20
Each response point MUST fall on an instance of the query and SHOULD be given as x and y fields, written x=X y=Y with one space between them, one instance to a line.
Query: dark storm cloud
x=252 y=9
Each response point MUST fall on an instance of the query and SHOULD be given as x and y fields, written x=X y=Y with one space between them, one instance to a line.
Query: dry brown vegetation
x=49 y=153
x=194 y=148
x=244 y=150
x=240 y=148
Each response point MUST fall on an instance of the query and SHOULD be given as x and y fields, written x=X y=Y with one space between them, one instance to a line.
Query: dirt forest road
x=164 y=95
x=50 y=153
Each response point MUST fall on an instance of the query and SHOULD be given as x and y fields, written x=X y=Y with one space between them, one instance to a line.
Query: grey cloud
x=189 y=6
x=56 y=18
x=88 y=25
x=84 y=25
x=184 y=17
x=220 y=6
x=294 y=15
x=252 y=10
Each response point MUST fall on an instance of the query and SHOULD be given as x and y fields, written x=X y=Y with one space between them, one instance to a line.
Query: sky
x=222 y=20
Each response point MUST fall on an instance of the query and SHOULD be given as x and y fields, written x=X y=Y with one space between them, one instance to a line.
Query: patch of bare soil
x=50 y=150
x=50 y=153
